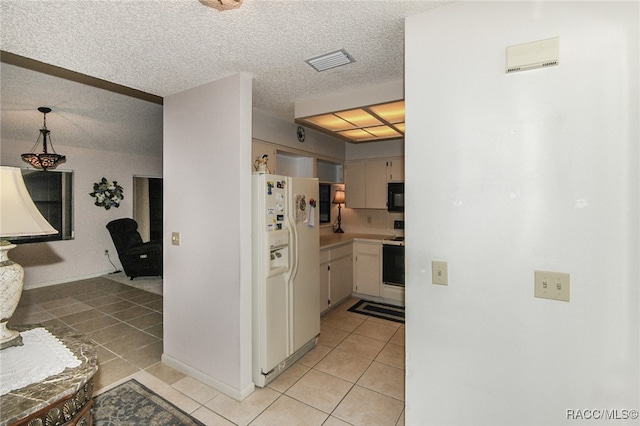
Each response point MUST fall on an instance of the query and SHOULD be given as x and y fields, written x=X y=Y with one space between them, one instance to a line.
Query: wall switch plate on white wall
x=552 y=285
x=439 y=272
x=175 y=238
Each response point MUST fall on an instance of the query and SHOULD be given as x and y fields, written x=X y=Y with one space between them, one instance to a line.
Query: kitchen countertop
x=328 y=240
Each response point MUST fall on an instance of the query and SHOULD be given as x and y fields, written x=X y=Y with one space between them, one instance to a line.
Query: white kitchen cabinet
x=376 y=190
x=395 y=169
x=336 y=275
x=355 y=184
x=366 y=184
x=366 y=181
x=367 y=268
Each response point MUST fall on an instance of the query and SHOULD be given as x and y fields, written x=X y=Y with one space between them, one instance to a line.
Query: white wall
x=83 y=257
x=511 y=173
x=276 y=130
x=207 y=279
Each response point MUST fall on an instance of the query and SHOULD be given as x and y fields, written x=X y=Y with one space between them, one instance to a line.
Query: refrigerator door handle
x=293 y=248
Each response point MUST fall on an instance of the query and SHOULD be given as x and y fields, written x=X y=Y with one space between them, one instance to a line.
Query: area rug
x=132 y=404
x=379 y=310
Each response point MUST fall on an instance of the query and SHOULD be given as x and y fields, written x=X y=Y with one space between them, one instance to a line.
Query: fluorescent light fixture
x=359 y=117
x=366 y=124
x=383 y=132
x=330 y=60
x=331 y=122
x=392 y=112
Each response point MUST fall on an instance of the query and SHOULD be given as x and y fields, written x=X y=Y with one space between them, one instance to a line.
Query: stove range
x=395 y=241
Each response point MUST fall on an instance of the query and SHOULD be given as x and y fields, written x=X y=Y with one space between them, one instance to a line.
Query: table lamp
x=338 y=199
x=19 y=217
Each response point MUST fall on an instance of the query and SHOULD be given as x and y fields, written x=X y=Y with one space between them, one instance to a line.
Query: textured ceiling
x=164 y=46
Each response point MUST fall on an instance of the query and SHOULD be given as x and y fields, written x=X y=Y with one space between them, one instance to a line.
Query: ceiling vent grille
x=330 y=60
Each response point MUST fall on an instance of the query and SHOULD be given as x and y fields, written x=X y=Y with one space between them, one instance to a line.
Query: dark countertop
x=23 y=402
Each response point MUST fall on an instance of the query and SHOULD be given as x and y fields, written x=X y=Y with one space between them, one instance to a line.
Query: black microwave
x=395 y=197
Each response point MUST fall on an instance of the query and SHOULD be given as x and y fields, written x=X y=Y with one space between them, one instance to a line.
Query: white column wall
x=207 y=279
x=507 y=174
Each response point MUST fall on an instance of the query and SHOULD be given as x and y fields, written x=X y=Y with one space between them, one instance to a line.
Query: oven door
x=393 y=264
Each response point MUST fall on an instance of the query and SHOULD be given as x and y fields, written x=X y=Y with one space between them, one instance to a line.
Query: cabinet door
x=395 y=169
x=376 y=190
x=355 y=184
x=341 y=279
x=366 y=268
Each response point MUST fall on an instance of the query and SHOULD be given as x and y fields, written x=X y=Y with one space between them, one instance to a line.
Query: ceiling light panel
x=330 y=122
x=330 y=60
x=365 y=124
x=383 y=132
x=392 y=112
x=359 y=117
x=357 y=135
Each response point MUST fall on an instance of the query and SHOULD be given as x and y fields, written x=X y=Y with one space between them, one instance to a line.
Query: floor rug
x=379 y=310
x=132 y=404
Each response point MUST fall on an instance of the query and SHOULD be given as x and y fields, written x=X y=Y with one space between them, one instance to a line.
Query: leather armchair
x=138 y=259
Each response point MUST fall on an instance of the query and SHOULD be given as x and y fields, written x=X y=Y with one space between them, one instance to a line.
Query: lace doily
x=42 y=355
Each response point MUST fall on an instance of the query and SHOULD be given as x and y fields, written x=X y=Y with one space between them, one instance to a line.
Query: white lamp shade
x=339 y=197
x=19 y=216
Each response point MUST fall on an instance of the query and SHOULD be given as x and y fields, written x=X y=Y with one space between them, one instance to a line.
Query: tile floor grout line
x=118 y=296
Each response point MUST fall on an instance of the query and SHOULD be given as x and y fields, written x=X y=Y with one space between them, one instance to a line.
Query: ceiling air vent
x=330 y=60
x=533 y=55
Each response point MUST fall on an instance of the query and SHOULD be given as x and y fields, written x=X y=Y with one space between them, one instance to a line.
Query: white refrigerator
x=286 y=276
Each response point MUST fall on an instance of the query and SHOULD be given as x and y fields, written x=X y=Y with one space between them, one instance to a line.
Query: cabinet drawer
x=367 y=248
x=338 y=252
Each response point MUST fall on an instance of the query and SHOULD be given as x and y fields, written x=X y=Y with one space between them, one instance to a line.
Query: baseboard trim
x=31 y=286
x=237 y=394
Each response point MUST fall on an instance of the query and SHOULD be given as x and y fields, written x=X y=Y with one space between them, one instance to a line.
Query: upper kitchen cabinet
x=395 y=169
x=366 y=181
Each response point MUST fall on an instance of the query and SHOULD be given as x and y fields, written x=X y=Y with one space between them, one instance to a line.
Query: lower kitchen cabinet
x=336 y=275
x=367 y=268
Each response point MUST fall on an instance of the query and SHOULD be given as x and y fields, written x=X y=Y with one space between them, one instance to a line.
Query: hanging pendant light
x=45 y=160
x=222 y=4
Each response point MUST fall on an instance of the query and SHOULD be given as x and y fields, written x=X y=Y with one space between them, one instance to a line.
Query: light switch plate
x=552 y=285
x=439 y=272
x=175 y=238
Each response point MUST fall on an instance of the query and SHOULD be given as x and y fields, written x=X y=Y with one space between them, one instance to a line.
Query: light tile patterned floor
x=354 y=376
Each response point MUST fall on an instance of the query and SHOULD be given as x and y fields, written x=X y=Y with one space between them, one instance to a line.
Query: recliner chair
x=138 y=259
